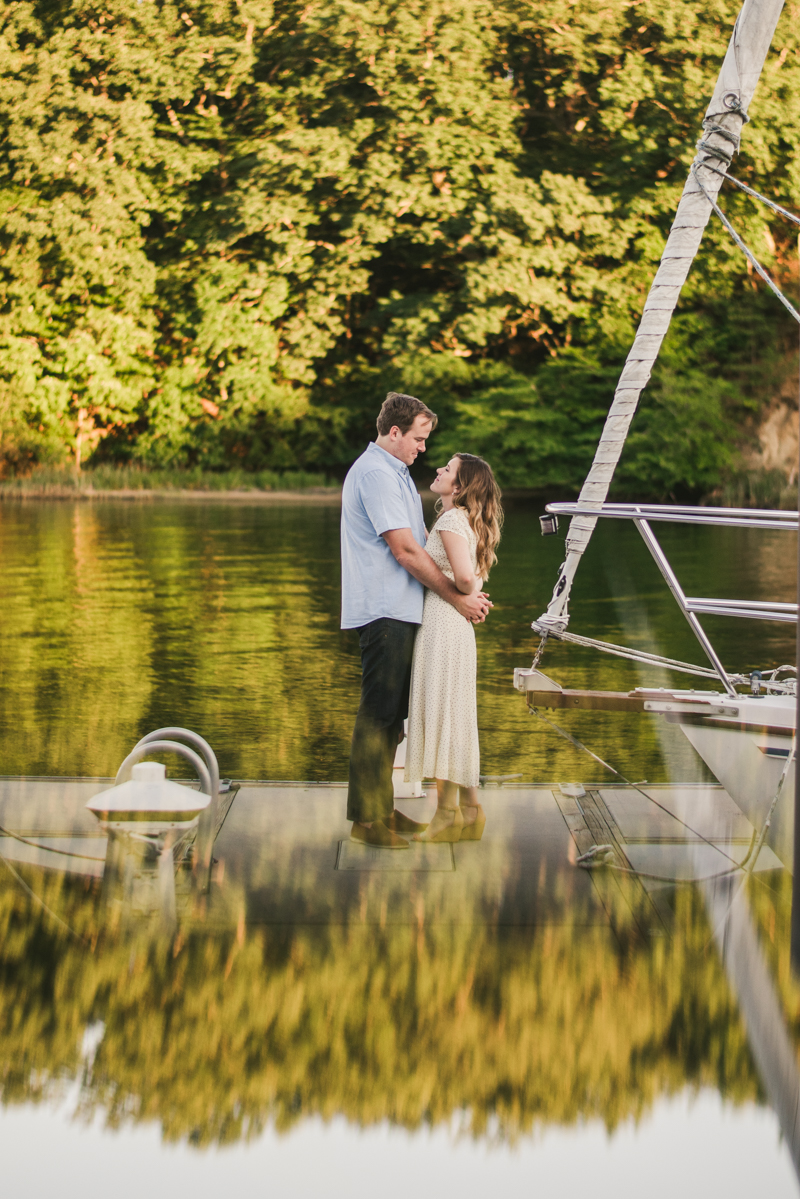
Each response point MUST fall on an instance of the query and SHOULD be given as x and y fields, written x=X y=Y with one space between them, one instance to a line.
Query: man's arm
x=413 y=558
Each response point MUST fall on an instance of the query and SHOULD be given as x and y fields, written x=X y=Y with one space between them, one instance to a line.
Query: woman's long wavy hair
x=479 y=496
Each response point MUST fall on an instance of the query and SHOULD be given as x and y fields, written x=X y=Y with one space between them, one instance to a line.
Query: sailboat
x=745 y=737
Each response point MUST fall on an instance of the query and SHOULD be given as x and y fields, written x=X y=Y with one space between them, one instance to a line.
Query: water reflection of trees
x=223 y=1030
x=120 y=618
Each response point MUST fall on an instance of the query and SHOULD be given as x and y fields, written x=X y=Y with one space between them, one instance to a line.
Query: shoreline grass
x=757 y=489
x=62 y=482
x=745 y=489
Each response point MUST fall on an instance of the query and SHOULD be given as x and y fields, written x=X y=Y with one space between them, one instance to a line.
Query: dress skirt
x=443 y=709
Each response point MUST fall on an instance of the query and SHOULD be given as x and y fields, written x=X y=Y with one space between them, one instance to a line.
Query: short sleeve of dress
x=454 y=521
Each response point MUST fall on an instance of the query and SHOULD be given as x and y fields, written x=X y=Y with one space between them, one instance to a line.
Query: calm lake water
x=495 y=1021
x=122 y=617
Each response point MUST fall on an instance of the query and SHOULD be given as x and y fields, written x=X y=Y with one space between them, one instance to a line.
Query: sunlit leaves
x=214 y=213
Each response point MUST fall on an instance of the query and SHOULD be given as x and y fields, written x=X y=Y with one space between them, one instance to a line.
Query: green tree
x=225 y=226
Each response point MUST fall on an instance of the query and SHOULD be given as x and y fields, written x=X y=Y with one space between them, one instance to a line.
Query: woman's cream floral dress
x=443 y=711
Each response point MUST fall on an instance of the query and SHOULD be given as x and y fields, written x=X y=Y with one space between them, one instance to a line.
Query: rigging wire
x=747 y=251
x=737 y=865
x=6 y=832
x=579 y=745
x=648 y=659
x=756 y=195
x=642 y=656
x=42 y=903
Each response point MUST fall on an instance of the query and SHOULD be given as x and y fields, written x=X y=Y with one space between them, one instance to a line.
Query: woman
x=443 y=714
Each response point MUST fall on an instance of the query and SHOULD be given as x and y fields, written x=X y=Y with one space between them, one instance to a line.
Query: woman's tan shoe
x=446 y=826
x=473 y=829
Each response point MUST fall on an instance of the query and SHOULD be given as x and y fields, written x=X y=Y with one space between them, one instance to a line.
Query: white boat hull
x=749 y=754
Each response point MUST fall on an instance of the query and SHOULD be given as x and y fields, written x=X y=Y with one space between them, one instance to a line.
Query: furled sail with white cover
x=726 y=114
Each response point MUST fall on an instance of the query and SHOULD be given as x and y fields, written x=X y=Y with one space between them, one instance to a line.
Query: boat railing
x=742 y=518
x=692 y=606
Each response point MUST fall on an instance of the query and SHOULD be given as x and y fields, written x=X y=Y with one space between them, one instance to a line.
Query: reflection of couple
x=410 y=648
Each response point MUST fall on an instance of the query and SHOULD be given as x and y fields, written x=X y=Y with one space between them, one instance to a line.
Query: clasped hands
x=475 y=607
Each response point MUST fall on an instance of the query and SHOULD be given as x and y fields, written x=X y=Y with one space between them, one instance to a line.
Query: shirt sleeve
x=383 y=501
x=454 y=521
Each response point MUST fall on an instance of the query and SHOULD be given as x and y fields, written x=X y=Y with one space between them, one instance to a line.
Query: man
x=385 y=570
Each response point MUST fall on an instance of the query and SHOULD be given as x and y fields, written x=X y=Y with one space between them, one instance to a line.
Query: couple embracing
x=413 y=598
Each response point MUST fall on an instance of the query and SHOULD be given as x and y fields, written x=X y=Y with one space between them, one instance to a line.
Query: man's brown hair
x=402 y=410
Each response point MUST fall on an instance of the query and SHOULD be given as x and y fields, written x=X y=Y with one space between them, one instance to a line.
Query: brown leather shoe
x=379 y=835
x=398 y=822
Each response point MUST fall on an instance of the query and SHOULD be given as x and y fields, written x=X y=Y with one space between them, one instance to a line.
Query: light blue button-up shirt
x=378 y=495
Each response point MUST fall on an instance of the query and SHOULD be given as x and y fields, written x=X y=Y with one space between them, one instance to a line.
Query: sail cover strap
x=726 y=114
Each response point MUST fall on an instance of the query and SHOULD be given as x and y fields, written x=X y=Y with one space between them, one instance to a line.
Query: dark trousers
x=387 y=647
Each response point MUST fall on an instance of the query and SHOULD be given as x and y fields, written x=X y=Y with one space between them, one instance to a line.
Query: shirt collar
x=399 y=466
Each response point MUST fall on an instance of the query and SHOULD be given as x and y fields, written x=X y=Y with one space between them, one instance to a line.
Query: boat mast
x=722 y=126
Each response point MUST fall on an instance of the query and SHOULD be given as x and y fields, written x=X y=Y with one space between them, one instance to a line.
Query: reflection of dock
x=283 y=854
x=50 y=814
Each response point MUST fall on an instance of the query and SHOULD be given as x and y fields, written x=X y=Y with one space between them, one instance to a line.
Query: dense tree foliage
x=229 y=225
